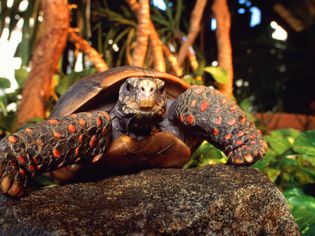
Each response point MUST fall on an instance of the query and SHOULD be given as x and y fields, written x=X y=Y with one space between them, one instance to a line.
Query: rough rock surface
x=218 y=200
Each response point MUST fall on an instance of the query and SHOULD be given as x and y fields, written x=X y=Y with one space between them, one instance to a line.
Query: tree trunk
x=45 y=60
x=141 y=47
x=222 y=15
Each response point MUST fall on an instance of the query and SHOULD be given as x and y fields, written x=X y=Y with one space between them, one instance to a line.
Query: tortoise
x=127 y=117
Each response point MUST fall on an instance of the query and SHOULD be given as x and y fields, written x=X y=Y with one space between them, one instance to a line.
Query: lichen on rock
x=216 y=200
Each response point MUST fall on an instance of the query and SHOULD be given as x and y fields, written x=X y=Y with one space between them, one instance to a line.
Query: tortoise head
x=142 y=102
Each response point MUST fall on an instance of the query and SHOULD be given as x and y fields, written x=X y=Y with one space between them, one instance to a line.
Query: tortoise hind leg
x=50 y=145
x=209 y=114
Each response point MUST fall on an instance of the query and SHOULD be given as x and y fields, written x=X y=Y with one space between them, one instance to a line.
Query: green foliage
x=290 y=160
x=219 y=74
x=65 y=81
x=205 y=155
x=303 y=210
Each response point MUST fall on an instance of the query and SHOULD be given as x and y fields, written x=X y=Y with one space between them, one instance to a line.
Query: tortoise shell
x=101 y=89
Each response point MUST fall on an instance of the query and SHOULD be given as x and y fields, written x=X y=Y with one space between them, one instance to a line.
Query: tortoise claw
x=245 y=155
x=6 y=183
x=249 y=158
x=15 y=189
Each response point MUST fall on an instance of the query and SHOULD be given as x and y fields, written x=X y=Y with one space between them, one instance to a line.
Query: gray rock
x=218 y=200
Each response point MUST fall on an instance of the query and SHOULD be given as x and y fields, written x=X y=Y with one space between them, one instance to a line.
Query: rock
x=216 y=200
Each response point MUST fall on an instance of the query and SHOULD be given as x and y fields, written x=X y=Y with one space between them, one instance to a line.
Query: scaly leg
x=208 y=113
x=51 y=144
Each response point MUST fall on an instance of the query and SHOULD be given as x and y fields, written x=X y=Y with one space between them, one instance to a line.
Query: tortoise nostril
x=142 y=89
x=151 y=90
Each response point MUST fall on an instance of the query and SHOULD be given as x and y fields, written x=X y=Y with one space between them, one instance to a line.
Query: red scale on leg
x=191 y=119
x=82 y=122
x=240 y=134
x=98 y=122
x=218 y=120
x=93 y=141
x=22 y=172
x=215 y=132
x=242 y=119
x=21 y=159
x=81 y=138
x=203 y=106
x=31 y=168
x=228 y=136
x=77 y=151
x=232 y=121
x=72 y=128
x=57 y=135
x=239 y=142
x=181 y=118
x=56 y=153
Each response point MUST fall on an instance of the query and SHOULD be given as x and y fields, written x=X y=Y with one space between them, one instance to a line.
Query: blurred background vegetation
x=273 y=45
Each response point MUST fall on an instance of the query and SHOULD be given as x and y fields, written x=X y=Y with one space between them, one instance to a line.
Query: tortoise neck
x=137 y=127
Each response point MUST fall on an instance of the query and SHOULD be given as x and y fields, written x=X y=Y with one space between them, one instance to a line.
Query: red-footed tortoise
x=128 y=117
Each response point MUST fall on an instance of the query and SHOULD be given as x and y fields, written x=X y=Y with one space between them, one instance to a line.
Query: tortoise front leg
x=208 y=113
x=49 y=145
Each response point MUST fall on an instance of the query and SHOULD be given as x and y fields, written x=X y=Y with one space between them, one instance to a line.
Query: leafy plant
x=303 y=210
x=290 y=160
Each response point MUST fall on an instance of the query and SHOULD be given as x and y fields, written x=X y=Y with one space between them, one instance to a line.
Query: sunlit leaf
x=281 y=140
x=218 y=73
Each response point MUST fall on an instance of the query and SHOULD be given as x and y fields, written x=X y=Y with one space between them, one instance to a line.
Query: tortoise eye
x=128 y=87
x=162 y=89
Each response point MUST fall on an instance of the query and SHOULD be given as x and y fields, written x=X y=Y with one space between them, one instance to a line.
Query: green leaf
x=303 y=210
x=21 y=75
x=218 y=74
x=273 y=173
x=305 y=143
x=4 y=83
x=66 y=81
x=281 y=140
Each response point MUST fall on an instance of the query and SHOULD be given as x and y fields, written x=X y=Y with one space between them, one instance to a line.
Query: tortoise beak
x=146 y=103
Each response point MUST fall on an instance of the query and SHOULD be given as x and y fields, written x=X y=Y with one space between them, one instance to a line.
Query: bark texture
x=45 y=60
x=92 y=54
x=222 y=15
x=194 y=28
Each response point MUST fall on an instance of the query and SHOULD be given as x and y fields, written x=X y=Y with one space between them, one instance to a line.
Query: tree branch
x=194 y=28
x=92 y=54
x=173 y=61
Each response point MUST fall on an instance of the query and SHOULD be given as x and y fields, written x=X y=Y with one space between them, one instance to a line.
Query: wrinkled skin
x=142 y=115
